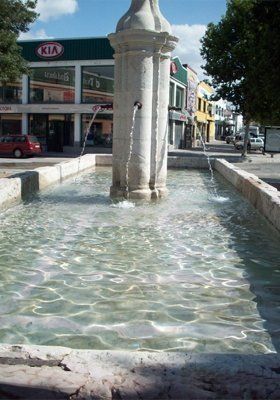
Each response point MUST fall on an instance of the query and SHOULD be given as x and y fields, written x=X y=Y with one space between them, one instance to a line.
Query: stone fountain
x=143 y=43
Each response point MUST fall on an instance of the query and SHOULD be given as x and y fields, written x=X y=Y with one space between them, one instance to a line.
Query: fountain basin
x=175 y=374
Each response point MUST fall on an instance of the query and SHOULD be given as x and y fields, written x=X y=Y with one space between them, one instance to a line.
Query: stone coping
x=264 y=197
x=46 y=372
x=19 y=186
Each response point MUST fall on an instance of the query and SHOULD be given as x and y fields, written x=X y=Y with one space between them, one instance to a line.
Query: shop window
x=11 y=93
x=100 y=131
x=179 y=97
x=10 y=124
x=52 y=85
x=171 y=94
x=98 y=84
x=53 y=130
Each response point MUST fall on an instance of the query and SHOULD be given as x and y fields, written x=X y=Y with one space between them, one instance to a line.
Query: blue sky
x=84 y=18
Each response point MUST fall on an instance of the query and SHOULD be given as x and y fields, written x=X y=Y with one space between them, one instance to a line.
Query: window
x=20 y=139
x=52 y=85
x=179 y=97
x=10 y=124
x=11 y=93
x=98 y=84
x=171 y=94
x=204 y=106
x=99 y=132
x=199 y=104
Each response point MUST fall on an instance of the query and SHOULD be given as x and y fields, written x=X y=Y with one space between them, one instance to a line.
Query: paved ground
x=264 y=166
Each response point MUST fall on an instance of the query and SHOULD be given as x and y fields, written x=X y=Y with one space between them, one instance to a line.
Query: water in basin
x=188 y=273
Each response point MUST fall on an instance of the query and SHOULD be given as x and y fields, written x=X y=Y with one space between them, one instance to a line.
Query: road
x=264 y=166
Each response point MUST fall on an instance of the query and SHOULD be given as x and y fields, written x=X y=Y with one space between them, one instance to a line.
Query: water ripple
x=188 y=273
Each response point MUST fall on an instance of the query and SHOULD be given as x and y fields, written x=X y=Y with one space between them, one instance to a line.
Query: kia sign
x=49 y=50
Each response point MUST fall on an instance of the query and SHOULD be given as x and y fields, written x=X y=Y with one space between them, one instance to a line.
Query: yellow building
x=205 y=116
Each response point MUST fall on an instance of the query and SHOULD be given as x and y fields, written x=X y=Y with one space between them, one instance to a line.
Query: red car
x=20 y=145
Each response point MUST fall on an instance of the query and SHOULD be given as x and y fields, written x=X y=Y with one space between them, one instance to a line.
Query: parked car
x=253 y=144
x=19 y=145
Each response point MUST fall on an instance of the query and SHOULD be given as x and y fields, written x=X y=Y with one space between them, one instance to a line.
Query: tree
x=238 y=52
x=15 y=17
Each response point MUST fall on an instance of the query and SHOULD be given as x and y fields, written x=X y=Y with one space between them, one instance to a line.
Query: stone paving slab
x=42 y=372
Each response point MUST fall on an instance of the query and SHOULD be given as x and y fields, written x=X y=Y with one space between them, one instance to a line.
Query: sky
x=90 y=18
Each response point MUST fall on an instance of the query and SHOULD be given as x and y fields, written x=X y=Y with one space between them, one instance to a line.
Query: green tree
x=241 y=53
x=15 y=17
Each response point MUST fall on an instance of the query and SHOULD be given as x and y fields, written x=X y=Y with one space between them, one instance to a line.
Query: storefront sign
x=8 y=109
x=61 y=76
x=49 y=50
x=191 y=96
x=98 y=83
x=173 y=68
x=177 y=116
x=102 y=107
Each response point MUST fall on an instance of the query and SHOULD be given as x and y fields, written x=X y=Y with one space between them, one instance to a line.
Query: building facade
x=69 y=77
x=191 y=106
x=205 y=114
x=177 y=105
x=55 y=102
x=220 y=119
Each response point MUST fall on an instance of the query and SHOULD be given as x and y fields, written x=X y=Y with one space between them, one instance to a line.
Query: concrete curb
x=19 y=186
x=264 y=197
x=42 y=372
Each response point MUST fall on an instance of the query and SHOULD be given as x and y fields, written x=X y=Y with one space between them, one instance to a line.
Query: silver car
x=253 y=144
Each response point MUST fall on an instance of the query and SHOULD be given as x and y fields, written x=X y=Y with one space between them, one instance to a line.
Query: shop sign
x=49 y=50
x=176 y=116
x=62 y=76
x=191 y=96
x=98 y=83
x=7 y=109
x=102 y=107
x=173 y=68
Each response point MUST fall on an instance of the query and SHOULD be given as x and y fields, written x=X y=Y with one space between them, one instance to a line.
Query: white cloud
x=30 y=35
x=53 y=9
x=188 y=48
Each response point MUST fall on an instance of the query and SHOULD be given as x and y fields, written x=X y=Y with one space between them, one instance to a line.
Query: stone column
x=142 y=44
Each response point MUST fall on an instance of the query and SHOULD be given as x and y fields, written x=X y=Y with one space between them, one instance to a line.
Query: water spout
x=137 y=106
x=209 y=162
x=96 y=110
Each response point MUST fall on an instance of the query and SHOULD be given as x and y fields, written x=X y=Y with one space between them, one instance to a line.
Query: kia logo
x=49 y=50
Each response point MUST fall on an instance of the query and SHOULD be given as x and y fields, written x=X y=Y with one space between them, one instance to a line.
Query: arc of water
x=157 y=126
x=135 y=108
x=208 y=160
x=96 y=111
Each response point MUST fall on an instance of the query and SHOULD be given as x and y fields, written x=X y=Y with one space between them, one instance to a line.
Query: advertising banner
x=272 y=139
